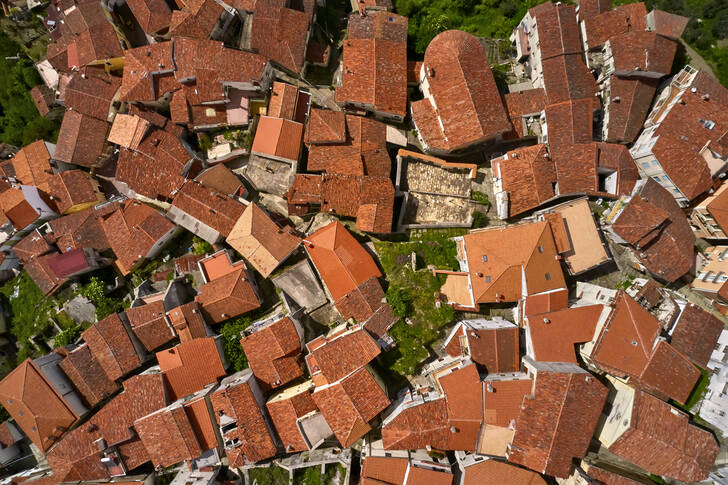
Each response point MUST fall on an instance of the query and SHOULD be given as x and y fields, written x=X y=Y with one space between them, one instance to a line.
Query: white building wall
x=714 y=408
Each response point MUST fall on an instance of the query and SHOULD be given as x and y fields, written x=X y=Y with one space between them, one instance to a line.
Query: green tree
x=231 y=332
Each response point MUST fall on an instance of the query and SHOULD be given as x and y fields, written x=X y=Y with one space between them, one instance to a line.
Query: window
x=657 y=179
x=645 y=164
x=655 y=163
x=487 y=279
x=540 y=249
x=485 y=258
x=548 y=276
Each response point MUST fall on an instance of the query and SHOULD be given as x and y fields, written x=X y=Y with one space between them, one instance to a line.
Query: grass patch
x=273 y=475
x=479 y=197
x=701 y=387
x=412 y=295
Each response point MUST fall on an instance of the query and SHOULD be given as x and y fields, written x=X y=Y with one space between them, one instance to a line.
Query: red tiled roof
x=92 y=95
x=274 y=353
x=495 y=472
x=502 y=399
x=340 y=260
x=188 y=321
x=380 y=470
x=668 y=24
x=567 y=77
x=149 y=324
x=35 y=405
x=112 y=347
x=43 y=276
x=464 y=397
x=31 y=246
x=625 y=18
x=282 y=103
x=520 y=104
x=152 y=15
x=510 y=251
x=418 y=426
x=30 y=165
x=554 y=335
x=81 y=139
x=669 y=253
x=261 y=241
x=228 y=296
x=349 y=405
x=72 y=188
x=661 y=440
x=642 y=51
x=278 y=138
x=196 y=20
x=208 y=206
x=280 y=34
x=87 y=375
x=592 y=8
x=570 y=123
x=325 y=127
x=43 y=98
x=558 y=32
x=128 y=130
x=168 y=436
x=466 y=104
x=190 y=366
x=556 y=423
x=284 y=413
x=375 y=63
x=339 y=356
x=629 y=103
x=237 y=401
x=133 y=232
x=496 y=349
x=549 y=301
x=669 y=374
x=528 y=176
x=695 y=334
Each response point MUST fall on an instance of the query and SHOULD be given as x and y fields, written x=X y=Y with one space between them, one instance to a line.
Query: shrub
x=479 y=197
x=479 y=220
x=231 y=333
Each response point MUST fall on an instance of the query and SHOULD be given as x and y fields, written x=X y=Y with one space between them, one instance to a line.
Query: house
x=82 y=140
x=568 y=123
x=374 y=65
x=41 y=400
x=346 y=391
x=656 y=436
x=709 y=217
x=44 y=98
x=22 y=209
x=203 y=19
x=492 y=344
x=245 y=427
x=273 y=350
x=627 y=345
x=278 y=139
x=74 y=190
x=435 y=192
x=262 y=242
x=220 y=178
x=201 y=101
x=280 y=33
x=87 y=375
x=503 y=264
x=94 y=94
x=711 y=274
x=653 y=225
x=524 y=110
x=680 y=146
x=557 y=419
x=626 y=102
x=31 y=165
x=482 y=470
x=135 y=233
x=128 y=130
x=639 y=54
x=295 y=415
x=350 y=277
x=445 y=123
x=457 y=411
x=597 y=29
x=389 y=471
x=229 y=289
x=153 y=16
x=190 y=366
x=712 y=409
x=207 y=213
x=188 y=322
x=106 y=446
x=149 y=324
x=578 y=238
x=666 y=24
x=289 y=102
x=75 y=262
x=696 y=333
x=181 y=431
x=114 y=346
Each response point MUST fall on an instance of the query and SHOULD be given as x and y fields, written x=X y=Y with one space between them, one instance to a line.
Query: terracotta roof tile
x=669 y=253
x=521 y=104
x=495 y=472
x=87 y=375
x=81 y=140
x=43 y=97
x=496 y=349
x=340 y=260
x=556 y=423
x=149 y=325
x=73 y=188
x=349 y=405
x=592 y=8
x=567 y=77
x=375 y=63
x=31 y=246
x=554 y=335
x=285 y=410
x=382 y=470
x=274 y=353
x=629 y=103
x=325 y=127
x=278 y=138
x=502 y=399
x=188 y=321
x=558 y=32
x=667 y=24
x=282 y=103
x=30 y=165
x=152 y=15
x=190 y=366
x=128 y=130
x=208 y=206
x=661 y=440
x=148 y=176
x=228 y=296
x=570 y=123
x=237 y=400
x=528 y=176
x=642 y=51
x=41 y=273
x=695 y=334
x=168 y=436
x=625 y=18
x=91 y=95
x=342 y=355
x=112 y=347
x=669 y=374
x=196 y=20
x=261 y=241
x=417 y=427
x=280 y=34
x=35 y=405
x=465 y=96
